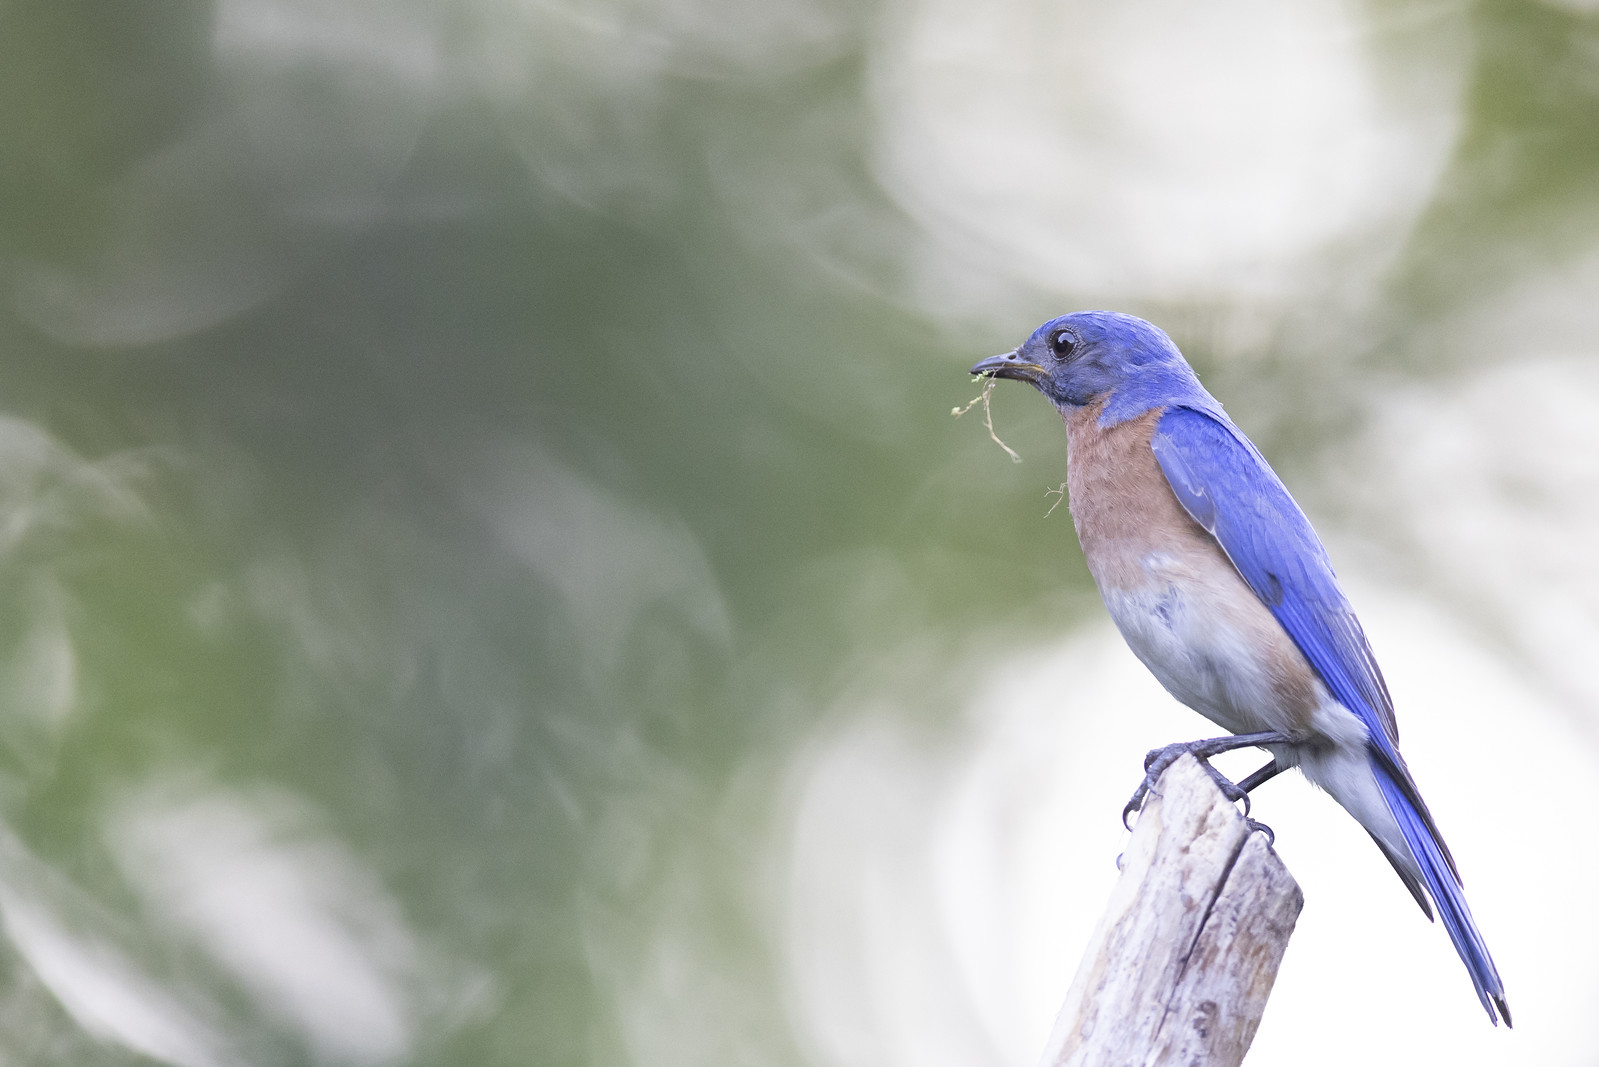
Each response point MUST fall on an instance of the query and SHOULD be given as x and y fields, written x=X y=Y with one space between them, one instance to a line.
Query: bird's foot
x=1158 y=759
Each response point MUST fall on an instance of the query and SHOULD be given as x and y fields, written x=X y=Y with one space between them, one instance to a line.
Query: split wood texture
x=1179 y=969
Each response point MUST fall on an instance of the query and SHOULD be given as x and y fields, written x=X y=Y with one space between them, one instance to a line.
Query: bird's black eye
x=1061 y=342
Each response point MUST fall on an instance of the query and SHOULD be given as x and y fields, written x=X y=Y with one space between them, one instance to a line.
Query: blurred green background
x=491 y=576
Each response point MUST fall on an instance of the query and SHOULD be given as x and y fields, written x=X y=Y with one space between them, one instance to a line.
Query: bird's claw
x=1156 y=760
x=1229 y=788
x=1135 y=804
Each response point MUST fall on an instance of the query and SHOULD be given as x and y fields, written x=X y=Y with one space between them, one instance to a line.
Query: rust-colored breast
x=1122 y=505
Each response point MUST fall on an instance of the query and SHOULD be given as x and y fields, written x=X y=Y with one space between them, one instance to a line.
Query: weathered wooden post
x=1179 y=968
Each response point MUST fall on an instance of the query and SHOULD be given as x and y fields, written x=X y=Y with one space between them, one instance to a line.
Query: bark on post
x=1179 y=968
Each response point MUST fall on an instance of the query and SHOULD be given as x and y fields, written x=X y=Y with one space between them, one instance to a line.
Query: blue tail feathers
x=1443 y=884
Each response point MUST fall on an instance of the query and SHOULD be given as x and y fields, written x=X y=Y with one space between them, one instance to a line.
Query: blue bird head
x=1090 y=357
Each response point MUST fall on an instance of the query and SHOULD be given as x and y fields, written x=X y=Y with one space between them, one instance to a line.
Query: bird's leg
x=1156 y=762
x=1262 y=776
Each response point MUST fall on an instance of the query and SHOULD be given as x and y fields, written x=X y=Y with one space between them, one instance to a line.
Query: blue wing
x=1225 y=484
x=1228 y=488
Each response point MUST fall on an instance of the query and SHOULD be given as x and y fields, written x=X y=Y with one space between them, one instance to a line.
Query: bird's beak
x=1010 y=365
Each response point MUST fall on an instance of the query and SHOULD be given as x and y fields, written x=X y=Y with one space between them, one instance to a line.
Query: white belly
x=1213 y=669
x=1215 y=647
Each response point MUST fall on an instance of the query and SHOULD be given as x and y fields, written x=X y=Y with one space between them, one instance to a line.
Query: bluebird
x=1219 y=585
